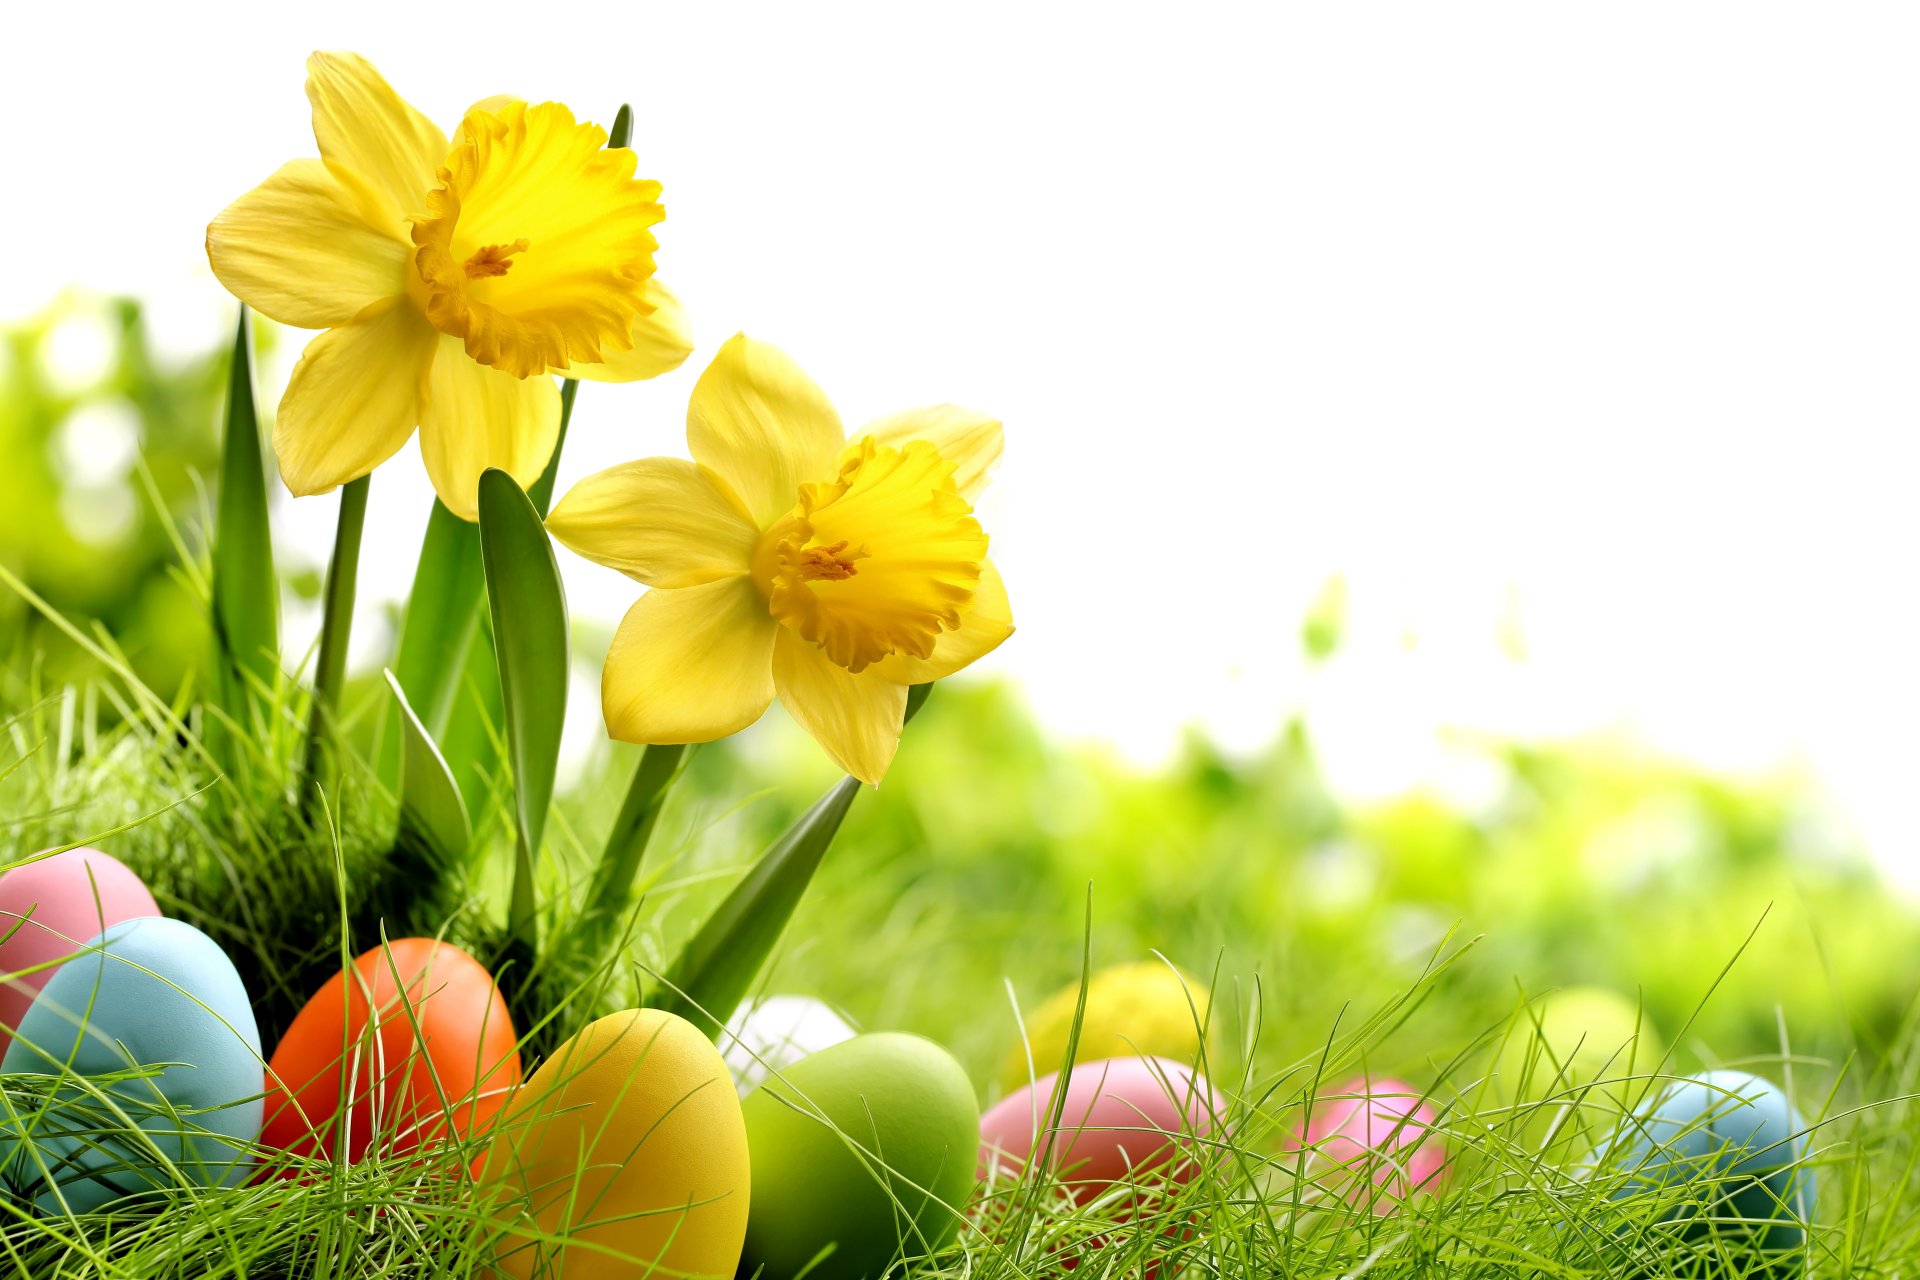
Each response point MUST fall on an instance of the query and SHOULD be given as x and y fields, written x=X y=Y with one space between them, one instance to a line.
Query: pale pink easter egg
x=1377 y=1138
x=1123 y=1117
x=48 y=910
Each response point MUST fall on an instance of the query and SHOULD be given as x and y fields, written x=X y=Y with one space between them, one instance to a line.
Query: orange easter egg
x=410 y=1044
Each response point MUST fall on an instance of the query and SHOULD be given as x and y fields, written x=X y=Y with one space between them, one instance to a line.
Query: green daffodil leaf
x=529 y=615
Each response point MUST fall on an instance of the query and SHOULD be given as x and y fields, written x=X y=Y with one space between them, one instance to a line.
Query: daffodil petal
x=764 y=425
x=690 y=665
x=478 y=418
x=969 y=439
x=372 y=138
x=857 y=718
x=987 y=622
x=297 y=250
x=354 y=397
x=665 y=521
x=662 y=341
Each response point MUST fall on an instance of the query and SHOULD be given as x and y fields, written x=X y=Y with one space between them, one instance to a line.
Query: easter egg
x=157 y=991
x=411 y=1043
x=623 y=1155
x=862 y=1154
x=1581 y=1046
x=48 y=908
x=1723 y=1152
x=1374 y=1139
x=766 y=1036
x=1124 y=1119
x=1133 y=1010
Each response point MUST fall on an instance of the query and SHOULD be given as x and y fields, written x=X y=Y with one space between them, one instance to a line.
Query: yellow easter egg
x=1573 y=1041
x=625 y=1154
x=1148 y=1009
x=1573 y=1064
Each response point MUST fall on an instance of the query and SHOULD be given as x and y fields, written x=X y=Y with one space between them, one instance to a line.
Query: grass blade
x=433 y=821
x=529 y=614
x=717 y=968
x=246 y=597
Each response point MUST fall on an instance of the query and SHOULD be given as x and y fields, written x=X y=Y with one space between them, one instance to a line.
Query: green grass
x=964 y=887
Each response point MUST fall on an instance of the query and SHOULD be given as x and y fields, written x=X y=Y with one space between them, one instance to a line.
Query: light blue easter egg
x=158 y=995
x=1725 y=1153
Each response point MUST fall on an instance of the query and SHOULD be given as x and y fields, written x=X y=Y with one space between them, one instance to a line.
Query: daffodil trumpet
x=788 y=559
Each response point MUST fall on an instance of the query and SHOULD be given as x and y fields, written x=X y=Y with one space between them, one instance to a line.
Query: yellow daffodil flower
x=786 y=559
x=452 y=278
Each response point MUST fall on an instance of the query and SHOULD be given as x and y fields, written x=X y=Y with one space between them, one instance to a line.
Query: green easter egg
x=1147 y=1010
x=864 y=1153
x=1572 y=1060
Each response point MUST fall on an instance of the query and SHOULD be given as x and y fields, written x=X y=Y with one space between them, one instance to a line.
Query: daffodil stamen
x=921 y=550
x=494 y=259
x=829 y=564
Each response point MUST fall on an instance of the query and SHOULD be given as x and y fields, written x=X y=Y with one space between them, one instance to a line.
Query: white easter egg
x=772 y=1033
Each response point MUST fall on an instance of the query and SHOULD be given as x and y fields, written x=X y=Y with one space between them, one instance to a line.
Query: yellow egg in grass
x=1574 y=1062
x=624 y=1155
x=1149 y=1009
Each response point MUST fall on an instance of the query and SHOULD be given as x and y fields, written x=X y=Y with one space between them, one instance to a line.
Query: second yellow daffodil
x=452 y=277
x=786 y=559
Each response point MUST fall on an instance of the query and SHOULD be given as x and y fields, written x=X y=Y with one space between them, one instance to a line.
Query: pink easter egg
x=1378 y=1137
x=48 y=910
x=1123 y=1117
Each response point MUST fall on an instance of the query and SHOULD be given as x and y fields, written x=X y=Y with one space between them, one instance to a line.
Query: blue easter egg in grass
x=1722 y=1154
x=151 y=1030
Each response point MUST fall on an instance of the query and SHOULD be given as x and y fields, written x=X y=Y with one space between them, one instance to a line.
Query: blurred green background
x=1582 y=862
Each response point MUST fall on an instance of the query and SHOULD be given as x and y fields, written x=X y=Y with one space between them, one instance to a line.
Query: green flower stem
x=336 y=629
x=608 y=894
x=541 y=491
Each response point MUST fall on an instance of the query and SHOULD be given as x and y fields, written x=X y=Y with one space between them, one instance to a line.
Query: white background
x=1591 y=325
